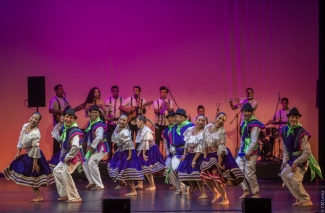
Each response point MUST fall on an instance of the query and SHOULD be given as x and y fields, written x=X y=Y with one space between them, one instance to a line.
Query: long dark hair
x=90 y=97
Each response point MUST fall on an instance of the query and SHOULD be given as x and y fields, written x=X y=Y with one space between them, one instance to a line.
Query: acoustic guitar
x=132 y=111
x=57 y=116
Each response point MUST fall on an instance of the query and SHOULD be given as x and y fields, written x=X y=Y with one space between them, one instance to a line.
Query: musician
x=161 y=107
x=113 y=104
x=57 y=105
x=249 y=99
x=93 y=98
x=201 y=111
x=280 y=116
x=132 y=105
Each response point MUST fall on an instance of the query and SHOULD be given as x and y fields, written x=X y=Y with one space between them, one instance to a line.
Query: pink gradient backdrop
x=205 y=51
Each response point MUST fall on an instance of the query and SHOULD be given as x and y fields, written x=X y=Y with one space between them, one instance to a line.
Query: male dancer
x=177 y=148
x=97 y=148
x=71 y=157
x=296 y=158
x=248 y=151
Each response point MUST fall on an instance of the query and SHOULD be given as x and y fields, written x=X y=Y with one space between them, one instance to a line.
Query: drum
x=271 y=132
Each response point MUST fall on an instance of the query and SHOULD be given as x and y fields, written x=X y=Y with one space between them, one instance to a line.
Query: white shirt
x=113 y=110
x=131 y=101
x=161 y=118
x=58 y=103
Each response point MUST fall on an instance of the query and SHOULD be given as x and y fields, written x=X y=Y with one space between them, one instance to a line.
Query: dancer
x=97 y=148
x=71 y=156
x=219 y=167
x=177 y=148
x=30 y=169
x=248 y=151
x=125 y=165
x=149 y=155
x=56 y=134
x=167 y=143
x=189 y=168
x=296 y=158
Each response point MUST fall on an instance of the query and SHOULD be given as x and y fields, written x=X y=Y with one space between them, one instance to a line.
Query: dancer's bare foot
x=306 y=203
x=224 y=203
x=193 y=189
x=178 y=192
x=204 y=196
x=99 y=188
x=139 y=186
x=37 y=199
x=151 y=188
x=257 y=195
x=245 y=194
x=121 y=185
x=296 y=203
x=131 y=194
x=89 y=186
x=78 y=200
x=216 y=197
x=63 y=198
x=172 y=188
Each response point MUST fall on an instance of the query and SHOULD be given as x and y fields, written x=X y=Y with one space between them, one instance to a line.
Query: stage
x=14 y=198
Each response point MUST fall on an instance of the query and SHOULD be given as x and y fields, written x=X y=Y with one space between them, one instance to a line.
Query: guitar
x=57 y=116
x=132 y=111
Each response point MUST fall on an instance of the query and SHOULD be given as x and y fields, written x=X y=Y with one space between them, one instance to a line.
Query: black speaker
x=256 y=205
x=116 y=206
x=36 y=91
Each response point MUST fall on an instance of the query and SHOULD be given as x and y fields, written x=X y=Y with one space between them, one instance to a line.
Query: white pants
x=179 y=186
x=248 y=167
x=64 y=182
x=91 y=169
x=293 y=181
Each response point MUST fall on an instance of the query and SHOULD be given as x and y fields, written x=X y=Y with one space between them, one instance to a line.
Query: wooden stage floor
x=14 y=198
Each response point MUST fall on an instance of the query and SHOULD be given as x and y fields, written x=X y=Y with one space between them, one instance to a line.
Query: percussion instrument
x=271 y=132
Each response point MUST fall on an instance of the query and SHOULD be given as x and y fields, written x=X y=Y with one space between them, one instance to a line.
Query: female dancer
x=149 y=155
x=219 y=167
x=125 y=165
x=30 y=169
x=189 y=168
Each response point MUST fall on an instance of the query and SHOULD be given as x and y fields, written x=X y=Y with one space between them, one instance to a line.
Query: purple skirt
x=122 y=169
x=20 y=171
x=231 y=176
x=155 y=162
x=55 y=160
x=185 y=170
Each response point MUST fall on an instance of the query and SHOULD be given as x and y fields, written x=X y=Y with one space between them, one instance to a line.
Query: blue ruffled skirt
x=122 y=169
x=20 y=171
x=185 y=170
x=155 y=162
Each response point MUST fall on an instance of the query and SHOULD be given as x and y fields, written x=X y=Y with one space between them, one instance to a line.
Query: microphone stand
x=273 y=144
x=236 y=117
x=173 y=97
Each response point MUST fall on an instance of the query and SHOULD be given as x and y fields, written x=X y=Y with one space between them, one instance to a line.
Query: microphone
x=279 y=95
x=167 y=89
